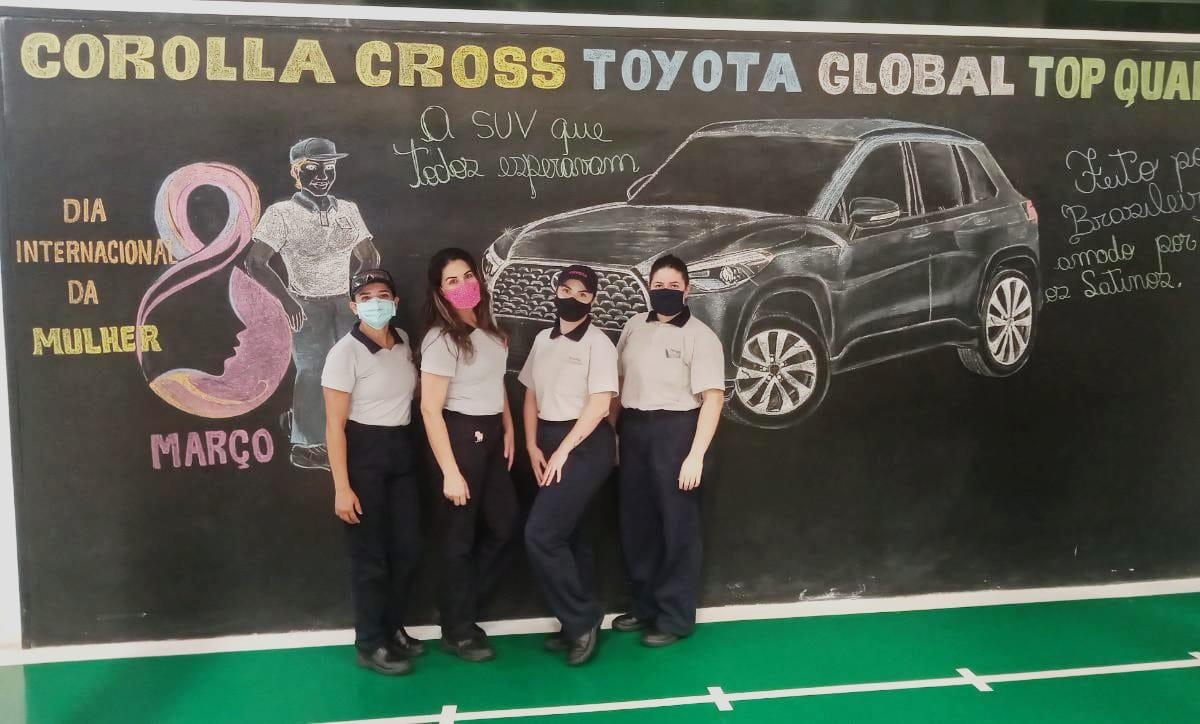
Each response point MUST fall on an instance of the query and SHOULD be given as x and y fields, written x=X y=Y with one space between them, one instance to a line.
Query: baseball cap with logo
x=371 y=276
x=314 y=149
x=584 y=274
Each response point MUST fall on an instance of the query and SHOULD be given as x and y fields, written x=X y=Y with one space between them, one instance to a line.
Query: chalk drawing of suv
x=815 y=246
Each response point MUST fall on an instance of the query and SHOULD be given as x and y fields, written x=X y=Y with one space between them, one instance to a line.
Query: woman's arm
x=433 y=399
x=337 y=412
x=510 y=435
x=710 y=414
x=536 y=457
x=594 y=412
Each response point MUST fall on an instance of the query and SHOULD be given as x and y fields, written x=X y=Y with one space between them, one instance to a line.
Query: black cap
x=581 y=273
x=314 y=149
x=371 y=276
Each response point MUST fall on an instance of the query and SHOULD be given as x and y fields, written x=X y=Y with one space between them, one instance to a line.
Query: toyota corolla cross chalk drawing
x=815 y=246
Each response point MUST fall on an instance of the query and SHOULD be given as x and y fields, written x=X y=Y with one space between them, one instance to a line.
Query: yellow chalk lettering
x=458 y=66
x=510 y=67
x=252 y=54
x=43 y=340
x=120 y=55
x=72 y=52
x=217 y=70
x=170 y=58
x=370 y=53
x=307 y=56
x=548 y=69
x=407 y=67
x=31 y=55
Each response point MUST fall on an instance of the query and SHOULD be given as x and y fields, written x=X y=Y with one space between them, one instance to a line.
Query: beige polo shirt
x=381 y=382
x=315 y=245
x=669 y=365
x=563 y=370
x=476 y=384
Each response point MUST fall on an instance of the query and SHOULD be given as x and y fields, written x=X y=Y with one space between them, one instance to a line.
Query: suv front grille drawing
x=527 y=291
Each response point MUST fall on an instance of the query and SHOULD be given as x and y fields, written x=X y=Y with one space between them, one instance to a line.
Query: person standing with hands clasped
x=672 y=388
x=368 y=380
x=571 y=377
x=470 y=428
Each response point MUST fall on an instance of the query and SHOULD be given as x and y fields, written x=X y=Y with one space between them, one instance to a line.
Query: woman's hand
x=455 y=489
x=510 y=446
x=554 y=467
x=346 y=505
x=690 y=472
x=538 y=460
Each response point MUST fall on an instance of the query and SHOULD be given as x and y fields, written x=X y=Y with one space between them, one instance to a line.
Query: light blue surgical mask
x=376 y=312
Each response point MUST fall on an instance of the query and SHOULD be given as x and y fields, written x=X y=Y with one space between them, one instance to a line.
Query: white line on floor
x=723 y=701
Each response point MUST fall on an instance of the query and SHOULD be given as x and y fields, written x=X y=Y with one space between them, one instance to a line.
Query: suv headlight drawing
x=726 y=271
x=491 y=264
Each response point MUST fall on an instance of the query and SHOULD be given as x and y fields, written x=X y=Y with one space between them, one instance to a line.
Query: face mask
x=667 y=302
x=376 y=312
x=465 y=295
x=571 y=309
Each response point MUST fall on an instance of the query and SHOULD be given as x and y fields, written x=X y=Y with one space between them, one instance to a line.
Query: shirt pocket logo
x=343 y=223
x=673 y=353
x=574 y=359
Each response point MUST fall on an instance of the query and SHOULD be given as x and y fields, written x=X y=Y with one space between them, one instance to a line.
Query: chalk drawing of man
x=315 y=234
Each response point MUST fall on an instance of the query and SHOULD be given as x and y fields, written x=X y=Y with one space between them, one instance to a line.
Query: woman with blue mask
x=369 y=380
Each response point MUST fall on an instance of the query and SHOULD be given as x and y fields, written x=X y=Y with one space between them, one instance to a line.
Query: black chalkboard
x=156 y=497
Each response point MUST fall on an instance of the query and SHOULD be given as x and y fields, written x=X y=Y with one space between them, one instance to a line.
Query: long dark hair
x=439 y=313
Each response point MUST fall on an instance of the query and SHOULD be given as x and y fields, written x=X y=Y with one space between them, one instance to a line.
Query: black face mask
x=571 y=309
x=667 y=302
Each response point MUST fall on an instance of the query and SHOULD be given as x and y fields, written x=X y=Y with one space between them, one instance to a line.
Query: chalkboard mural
x=859 y=241
x=1009 y=223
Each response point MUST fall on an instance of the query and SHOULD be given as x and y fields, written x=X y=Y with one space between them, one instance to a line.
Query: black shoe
x=556 y=643
x=310 y=457
x=627 y=622
x=581 y=650
x=383 y=661
x=656 y=639
x=406 y=645
x=469 y=649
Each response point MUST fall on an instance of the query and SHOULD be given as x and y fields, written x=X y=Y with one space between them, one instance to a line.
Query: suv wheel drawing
x=1007 y=319
x=782 y=372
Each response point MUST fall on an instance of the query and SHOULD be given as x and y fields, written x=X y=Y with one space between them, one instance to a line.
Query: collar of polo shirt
x=369 y=343
x=306 y=201
x=678 y=320
x=575 y=334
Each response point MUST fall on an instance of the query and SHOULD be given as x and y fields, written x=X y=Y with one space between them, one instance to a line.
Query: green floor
x=323 y=685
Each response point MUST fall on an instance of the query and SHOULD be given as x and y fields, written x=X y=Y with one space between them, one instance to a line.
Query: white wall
x=10 y=589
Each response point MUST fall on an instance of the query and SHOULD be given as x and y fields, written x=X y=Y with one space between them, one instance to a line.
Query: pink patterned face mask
x=465 y=295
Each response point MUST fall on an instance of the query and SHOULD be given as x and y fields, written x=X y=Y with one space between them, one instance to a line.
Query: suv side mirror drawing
x=636 y=186
x=868 y=212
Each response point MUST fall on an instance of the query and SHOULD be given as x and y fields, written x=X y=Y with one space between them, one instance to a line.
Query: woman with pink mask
x=470 y=429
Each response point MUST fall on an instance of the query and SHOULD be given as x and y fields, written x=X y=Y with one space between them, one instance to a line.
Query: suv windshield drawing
x=815 y=246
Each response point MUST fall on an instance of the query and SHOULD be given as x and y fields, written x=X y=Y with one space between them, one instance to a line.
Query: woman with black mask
x=571 y=378
x=672 y=372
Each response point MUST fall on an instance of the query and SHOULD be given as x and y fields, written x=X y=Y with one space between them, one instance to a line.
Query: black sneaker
x=469 y=649
x=627 y=622
x=556 y=643
x=406 y=645
x=310 y=457
x=581 y=650
x=656 y=639
x=383 y=661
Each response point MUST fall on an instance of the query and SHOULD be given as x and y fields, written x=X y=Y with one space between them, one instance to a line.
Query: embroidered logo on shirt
x=575 y=360
x=478 y=436
x=673 y=353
